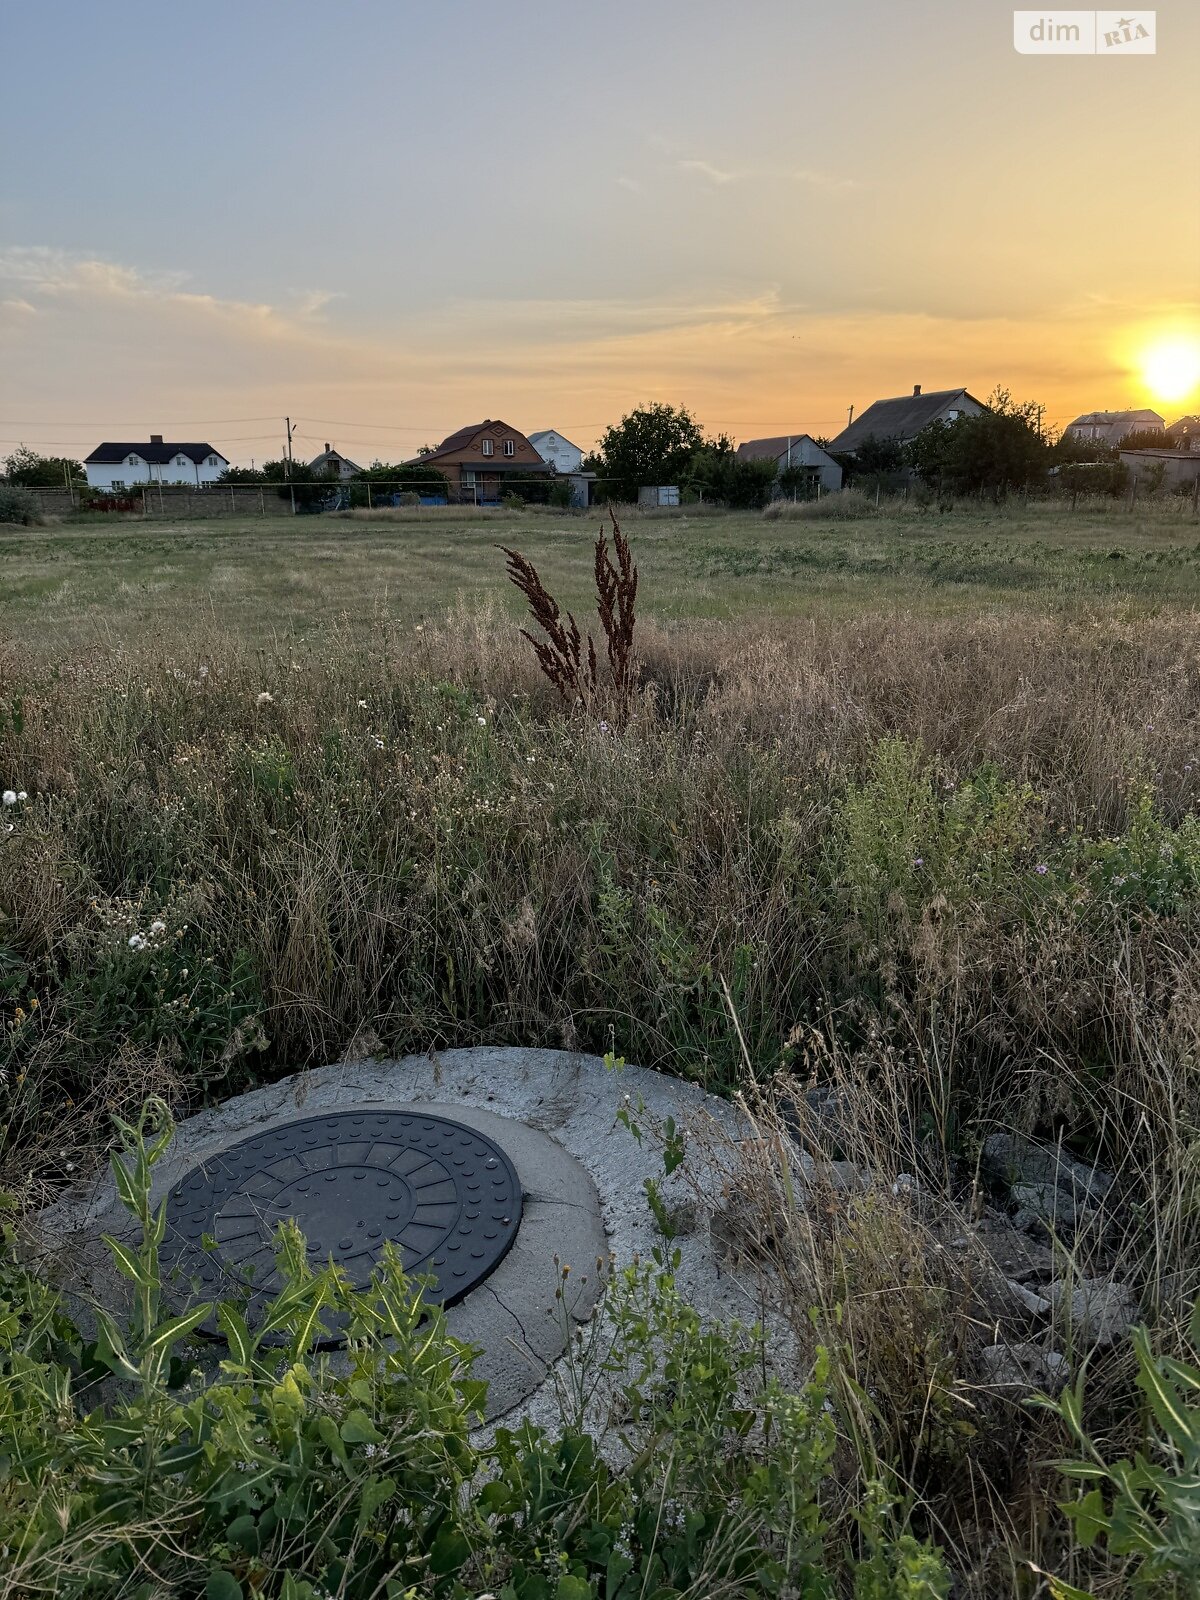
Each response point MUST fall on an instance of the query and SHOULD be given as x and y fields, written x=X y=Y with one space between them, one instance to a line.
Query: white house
x=127 y=466
x=556 y=451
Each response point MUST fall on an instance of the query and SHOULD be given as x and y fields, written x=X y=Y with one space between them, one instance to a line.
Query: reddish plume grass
x=571 y=667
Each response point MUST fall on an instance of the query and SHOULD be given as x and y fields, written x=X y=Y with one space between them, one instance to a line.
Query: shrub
x=847 y=505
x=19 y=506
x=1145 y=1510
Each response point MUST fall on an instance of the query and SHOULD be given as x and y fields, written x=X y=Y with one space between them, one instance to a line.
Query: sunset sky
x=388 y=220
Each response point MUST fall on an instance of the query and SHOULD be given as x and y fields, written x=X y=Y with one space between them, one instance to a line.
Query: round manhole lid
x=447 y=1197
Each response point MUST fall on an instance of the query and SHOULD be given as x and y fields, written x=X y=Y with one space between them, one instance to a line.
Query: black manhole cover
x=446 y=1196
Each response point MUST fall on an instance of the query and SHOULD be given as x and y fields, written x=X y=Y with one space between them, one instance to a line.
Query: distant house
x=795 y=452
x=567 y=461
x=1110 y=427
x=126 y=466
x=904 y=416
x=560 y=453
x=332 y=464
x=1185 y=434
x=477 y=459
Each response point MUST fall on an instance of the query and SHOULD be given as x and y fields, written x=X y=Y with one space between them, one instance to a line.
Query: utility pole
x=288 y=469
x=850 y=417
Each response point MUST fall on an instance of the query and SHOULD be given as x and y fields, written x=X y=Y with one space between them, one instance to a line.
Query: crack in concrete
x=528 y=1350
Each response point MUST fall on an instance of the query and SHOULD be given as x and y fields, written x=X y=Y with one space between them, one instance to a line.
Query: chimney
x=327 y=447
x=916 y=390
x=156 y=438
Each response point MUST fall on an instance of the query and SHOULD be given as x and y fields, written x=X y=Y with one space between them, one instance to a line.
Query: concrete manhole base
x=555 y=1116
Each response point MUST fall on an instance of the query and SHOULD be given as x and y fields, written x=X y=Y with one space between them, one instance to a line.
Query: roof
x=159 y=454
x=772 y=449
x=901 y=417
x=333 y=455
x=1185 y=426
x=455 y=442
x=547 y=433
x=1116 y=419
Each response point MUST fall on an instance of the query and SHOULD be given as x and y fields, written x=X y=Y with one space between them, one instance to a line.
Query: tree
x=32 y=471
x=1000 y=449
x=652 y=444
x=1148 y=439
x=741 y=485
x=243 y=475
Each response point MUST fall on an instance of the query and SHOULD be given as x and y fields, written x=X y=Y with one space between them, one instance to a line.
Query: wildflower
x=603 y=725
x=9 y=797
x=1041 y=869
x=918 y=861
x=370 y=1449
x=377 y=741
x=362 y=705
x=204 y=672
x=137 y=941
x=482 y=721
x=265 y=698
x=531 y=759
x=21 y=795
x=158 y=926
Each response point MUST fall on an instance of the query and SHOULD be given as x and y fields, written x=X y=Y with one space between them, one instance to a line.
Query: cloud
x=46 y=273
x=715 y=175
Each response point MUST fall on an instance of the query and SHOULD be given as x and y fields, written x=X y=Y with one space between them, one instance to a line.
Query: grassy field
x=74 y=583
x=906 y=810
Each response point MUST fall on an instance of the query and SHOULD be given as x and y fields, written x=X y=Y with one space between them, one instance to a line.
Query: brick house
x=477 y=459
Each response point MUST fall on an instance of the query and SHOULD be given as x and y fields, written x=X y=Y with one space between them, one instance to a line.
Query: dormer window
x=181 y=461
x=510 y=448
x=131 y=461
x=487 y=447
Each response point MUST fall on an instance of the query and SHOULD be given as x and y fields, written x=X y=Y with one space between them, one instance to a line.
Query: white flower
x=266 y=698
x=482 y=721
x=158 y=927
x=21 y=795
x=377 y=741
x=137 y=941
x=531 y=759
x=9 y=797
x=362 y=705
x=204 y=672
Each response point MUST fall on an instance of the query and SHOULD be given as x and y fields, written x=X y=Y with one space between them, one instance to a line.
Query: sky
x=388 y=220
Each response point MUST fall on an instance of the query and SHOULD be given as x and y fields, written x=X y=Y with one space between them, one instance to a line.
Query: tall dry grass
x=947 y=870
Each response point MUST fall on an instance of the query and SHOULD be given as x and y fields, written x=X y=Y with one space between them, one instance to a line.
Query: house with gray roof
x=903 y=417
x=792 y=453
x=332 y=464
x=1110 y=427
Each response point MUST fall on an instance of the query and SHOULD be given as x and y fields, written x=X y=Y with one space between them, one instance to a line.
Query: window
x=181 y=461
x=131 y=461
x=487 y=447
x=117 y=483
x=510 y=448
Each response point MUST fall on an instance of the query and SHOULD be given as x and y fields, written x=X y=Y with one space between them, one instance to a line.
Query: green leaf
x=450 y=1549
x=237 y=1334
x=570 y=1588
x=167 y=1333
x=223 y=1585
x=127 y=1262
x=359 y=1429
x=243 y=1531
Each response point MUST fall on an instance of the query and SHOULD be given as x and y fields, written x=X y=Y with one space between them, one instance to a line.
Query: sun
x=1171 y=367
